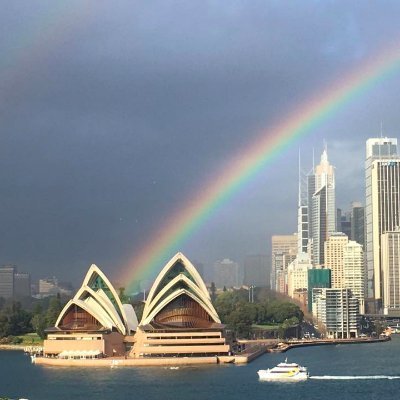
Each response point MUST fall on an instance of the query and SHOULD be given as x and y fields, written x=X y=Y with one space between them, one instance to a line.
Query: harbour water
x=358 y=371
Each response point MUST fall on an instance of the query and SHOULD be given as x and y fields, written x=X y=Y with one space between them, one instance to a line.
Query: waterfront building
x=357 y=232
x=318 y=277
x=7 y=281
x=337 y=310
x=323 y=208
x=334 y=257
x=256 y=270
x=390 y=242
x=381 y=202
x=298 y=274
x=354 y=273
x=179 y=319
x=226 y=273
x=385 y=186
x=345 y=259
x=93 y=323
x=284 y=251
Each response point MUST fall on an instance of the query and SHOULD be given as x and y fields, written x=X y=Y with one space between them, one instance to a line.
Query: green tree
x=14 y=320
x=242 y=318
x=213 y=290
x=39 y=324
x=53 y=311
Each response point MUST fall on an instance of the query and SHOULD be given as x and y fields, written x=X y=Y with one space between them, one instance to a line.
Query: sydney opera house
x=178 y=320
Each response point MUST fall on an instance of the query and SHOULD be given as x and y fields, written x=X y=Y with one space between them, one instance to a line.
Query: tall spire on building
x=322 y=207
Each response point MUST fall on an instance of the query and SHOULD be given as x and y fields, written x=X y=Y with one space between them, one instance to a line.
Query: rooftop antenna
x=381 y=129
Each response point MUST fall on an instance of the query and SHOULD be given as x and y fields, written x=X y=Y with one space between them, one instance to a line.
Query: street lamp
x=251 y=293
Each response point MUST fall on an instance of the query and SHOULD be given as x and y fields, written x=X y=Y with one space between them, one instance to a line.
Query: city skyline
x=108 y=127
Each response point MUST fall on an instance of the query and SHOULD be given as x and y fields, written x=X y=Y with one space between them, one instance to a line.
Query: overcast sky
x=112 y=113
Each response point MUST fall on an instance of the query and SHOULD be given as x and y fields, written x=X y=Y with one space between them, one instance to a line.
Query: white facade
x=337 y=309
x=334 y=258
x=298 y=274
x=382 y=149
x=98 y=298
x=323 y=207
x=354 y=272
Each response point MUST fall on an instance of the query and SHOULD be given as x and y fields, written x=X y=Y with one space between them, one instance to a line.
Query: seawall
x=285 y=346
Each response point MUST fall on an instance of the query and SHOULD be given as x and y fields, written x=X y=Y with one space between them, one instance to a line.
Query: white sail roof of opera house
x=178 y=278
x=98 y=298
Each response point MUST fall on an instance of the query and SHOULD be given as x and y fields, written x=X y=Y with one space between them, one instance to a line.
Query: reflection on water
x=350 y=371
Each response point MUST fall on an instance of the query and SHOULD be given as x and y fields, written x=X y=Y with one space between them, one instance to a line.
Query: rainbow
x=242 y=168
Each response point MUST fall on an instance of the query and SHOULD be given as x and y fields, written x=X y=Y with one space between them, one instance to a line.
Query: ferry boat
x=284 y=372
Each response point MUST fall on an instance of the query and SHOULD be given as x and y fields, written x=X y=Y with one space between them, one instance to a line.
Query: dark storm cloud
x=114 y=114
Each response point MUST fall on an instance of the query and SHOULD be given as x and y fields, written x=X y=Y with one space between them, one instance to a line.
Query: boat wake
x=353 y=377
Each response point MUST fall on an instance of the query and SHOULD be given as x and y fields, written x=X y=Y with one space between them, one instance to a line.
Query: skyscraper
x=303 y=215
x=354 y=274
x=334 y=258
x=381 y=195
x=323 y=207
x=390 y=242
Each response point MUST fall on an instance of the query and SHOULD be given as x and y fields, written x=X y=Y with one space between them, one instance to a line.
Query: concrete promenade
x=285 y=346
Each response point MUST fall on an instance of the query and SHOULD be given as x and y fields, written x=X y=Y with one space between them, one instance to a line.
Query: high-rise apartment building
x=345 y=259
x=323 y=207
x=334 y=258
x=337 y=309
x=381 y=205
x=390 y=242
x=354 y=274
x=284 y=251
